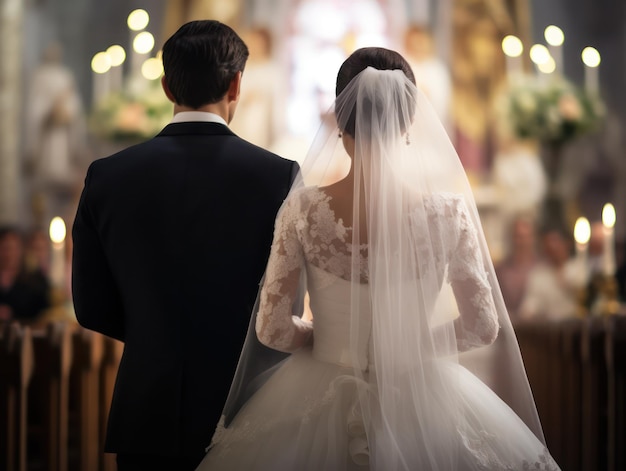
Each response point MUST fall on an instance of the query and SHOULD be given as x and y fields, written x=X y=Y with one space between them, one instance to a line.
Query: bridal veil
x=435 y=299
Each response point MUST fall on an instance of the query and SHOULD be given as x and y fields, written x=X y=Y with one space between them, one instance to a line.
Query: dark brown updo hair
x=376 y=57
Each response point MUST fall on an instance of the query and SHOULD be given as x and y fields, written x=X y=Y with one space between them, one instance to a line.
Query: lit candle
x=57 y=265
x=137 y=21
x=118 y=56
x=542 y=59
x=591 y=59
x=513 y=48
x=608 y=255
x=100 y=65
x=582 y=234
x=555 y=38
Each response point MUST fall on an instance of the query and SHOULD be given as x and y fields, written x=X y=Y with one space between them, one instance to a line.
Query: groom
x=170 y=240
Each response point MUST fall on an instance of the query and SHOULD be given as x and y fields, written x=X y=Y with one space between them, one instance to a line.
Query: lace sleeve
x=477 y=324
x=276 y=327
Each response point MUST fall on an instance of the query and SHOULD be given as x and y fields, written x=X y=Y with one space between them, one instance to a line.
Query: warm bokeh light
x=591 y=57
x=539 y=54
x=512 y=46
x=101 y=62
x=608 y=215
x=152 y=68
x=547 y=67
x=57 y=230
x=582 y=231
x=554 y=35
x=143 y=43
x=138 y=19
x=117 y=54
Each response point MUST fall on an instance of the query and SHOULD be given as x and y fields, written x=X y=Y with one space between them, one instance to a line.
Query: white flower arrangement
x=551 y=111
x=126 y=116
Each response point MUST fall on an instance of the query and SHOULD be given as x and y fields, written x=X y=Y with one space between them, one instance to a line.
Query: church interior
x=530 y=93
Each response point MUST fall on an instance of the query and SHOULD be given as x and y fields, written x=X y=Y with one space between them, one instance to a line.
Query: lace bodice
x=308 y=237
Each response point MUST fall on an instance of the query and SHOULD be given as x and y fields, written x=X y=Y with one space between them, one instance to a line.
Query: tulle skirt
x=306 y=417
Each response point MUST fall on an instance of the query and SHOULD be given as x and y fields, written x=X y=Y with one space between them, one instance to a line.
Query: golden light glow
x=143 y=42
x=608 y=215
x=138 y=19
x=152 y=69
x=554 y=35
x=539 y=54
x=582 y=231
x=591 y=57
x=117 y=54
x=57 y=230
x=547 y=67
x=512 y=46
x=101 y=62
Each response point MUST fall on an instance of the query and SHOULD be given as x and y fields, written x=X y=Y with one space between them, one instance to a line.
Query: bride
x=376 y=380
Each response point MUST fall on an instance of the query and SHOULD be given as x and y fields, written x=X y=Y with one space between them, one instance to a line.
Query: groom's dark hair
x=376 y=57
x=200 y=60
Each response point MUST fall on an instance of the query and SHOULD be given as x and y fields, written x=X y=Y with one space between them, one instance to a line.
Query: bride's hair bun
x=378 y=58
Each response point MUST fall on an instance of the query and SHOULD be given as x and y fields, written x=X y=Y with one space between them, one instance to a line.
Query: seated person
x=555 y=282
x=513 y=271
x=23 y=296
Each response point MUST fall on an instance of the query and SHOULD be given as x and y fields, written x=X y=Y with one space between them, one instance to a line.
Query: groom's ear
x=167 y=91
x=235 y=87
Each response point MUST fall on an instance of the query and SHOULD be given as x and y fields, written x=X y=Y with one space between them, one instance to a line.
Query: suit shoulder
x=264 y=153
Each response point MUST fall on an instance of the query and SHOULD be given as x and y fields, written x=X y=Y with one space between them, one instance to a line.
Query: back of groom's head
x=200 y=60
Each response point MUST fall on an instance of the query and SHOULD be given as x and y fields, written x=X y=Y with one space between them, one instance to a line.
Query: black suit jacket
x=171 y=239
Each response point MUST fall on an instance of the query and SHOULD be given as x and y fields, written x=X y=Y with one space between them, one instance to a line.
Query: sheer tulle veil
x=410 y=392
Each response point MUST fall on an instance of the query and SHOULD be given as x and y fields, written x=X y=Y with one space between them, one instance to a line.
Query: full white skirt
x=304 y=418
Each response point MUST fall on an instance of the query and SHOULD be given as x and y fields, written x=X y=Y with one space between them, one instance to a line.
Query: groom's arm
x=97 y=300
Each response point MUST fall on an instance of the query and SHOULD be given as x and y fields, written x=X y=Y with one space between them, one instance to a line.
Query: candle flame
x=608 y=215
x=57 y=230
x=554 y=35
x=591 y=57
x=512 y=46
x=582 y=231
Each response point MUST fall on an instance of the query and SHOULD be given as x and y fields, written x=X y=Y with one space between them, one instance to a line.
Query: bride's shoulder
x=300 y=201
x=305 y=196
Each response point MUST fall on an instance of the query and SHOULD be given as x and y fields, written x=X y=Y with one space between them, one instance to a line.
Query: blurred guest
x=37 y=252
x=259 y=112
x=555 y=282
x=596 y=249
x=431 y=73
x=514 y=270
x=23 y=296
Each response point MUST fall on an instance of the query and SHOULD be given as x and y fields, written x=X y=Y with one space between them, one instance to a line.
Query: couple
x=173 y=236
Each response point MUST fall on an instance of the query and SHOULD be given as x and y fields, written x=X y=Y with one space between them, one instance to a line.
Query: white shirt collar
x=204 y=116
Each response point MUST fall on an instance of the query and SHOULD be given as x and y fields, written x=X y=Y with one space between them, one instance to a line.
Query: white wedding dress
x=307 y=416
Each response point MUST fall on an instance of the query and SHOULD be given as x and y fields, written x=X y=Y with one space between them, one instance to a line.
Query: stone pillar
x=11 y=12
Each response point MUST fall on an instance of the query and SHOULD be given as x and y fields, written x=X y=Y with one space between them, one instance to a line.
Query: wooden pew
x=85 y=376
x=571 y=408
x=594 y=395
x=53 y=359
x=112 y=356
x=616 y=369
x=16 y=367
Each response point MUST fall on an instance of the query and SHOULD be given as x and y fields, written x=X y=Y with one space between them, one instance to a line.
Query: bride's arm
x=276 y=327
x=478 y=323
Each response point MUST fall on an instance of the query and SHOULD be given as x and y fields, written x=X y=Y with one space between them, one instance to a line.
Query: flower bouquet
x=551 y=111
x=123 y=116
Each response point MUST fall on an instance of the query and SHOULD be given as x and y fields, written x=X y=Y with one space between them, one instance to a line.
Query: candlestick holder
x=605 y=301
x=582 y=306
